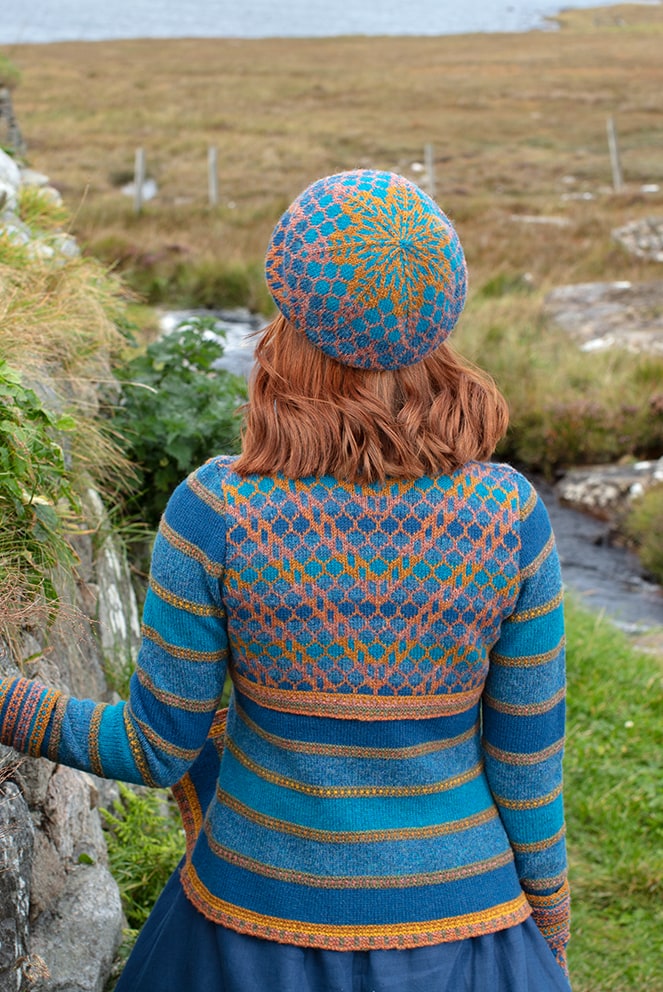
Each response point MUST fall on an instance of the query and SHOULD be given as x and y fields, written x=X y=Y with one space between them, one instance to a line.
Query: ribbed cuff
x=26 y=707
x=552 y=915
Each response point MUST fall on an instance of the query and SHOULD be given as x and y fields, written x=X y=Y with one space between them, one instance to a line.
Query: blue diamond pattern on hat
x=369 y=268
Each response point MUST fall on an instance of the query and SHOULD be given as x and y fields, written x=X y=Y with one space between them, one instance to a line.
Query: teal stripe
x=376 y=858
x=536 y=635
x=181 y=628
x=117 y=758
x=376 y=812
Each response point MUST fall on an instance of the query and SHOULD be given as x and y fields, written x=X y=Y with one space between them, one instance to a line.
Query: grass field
x=516 y=122
x=614 y=809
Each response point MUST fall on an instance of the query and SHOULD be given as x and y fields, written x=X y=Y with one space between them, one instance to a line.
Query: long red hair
x=309 y=415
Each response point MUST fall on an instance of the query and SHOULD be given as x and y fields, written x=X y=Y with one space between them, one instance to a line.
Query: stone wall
x=60 y=914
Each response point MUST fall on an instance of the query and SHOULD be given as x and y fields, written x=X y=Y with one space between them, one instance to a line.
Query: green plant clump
x=35 y=495
x=645 y=526
x=145 y=841
x=176 y=411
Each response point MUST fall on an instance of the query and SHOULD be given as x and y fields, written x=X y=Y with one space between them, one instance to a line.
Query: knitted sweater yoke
x=388 y=770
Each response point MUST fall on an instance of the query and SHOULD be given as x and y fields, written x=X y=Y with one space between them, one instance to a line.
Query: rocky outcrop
x=48 y=245
x=16 y=855
x=60 y=913
x=599 y=315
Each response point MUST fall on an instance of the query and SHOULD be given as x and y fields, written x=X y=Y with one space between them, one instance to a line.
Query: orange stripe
x=358 y=706
x=348 y=937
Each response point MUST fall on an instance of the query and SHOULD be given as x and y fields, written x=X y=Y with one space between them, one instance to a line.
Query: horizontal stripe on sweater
x=401 y=908
x=352 y=791
x=335 y=750
x=351 y=812
x=315 y=766
x=326 y=880
x=358 y=706
x=360 y=836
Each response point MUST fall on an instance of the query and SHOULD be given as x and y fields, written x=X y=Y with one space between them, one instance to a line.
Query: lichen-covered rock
x=607 y=491
x=600 y=315
x=16 y=847
x=642 y=238
x=79 y=935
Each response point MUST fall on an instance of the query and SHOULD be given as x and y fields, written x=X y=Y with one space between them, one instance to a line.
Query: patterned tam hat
x=367 y=266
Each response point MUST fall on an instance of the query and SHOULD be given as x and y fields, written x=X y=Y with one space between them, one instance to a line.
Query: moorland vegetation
x=517 y=124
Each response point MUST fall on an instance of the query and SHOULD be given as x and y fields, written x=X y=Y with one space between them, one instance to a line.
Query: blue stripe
x=195 y=680
x=542 y=864
x=524 y=734
x=344 y=771
x=524 y=781
x=194 y=519
x=523 y=686
x=381 y=907
x=357 y=733
x=182 y=729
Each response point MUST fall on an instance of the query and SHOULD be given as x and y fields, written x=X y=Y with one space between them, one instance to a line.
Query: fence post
x=429 y=159
x=614 y=156
x=139 y=179
x=212 y=177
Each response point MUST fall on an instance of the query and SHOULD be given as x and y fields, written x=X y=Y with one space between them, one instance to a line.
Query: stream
x=602 y=576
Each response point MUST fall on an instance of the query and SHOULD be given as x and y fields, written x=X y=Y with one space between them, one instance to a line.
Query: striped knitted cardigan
x=388 y=771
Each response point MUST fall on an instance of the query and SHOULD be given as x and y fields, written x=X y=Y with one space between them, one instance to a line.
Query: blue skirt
x=179 y=949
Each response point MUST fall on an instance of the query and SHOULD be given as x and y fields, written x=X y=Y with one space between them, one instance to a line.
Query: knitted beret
x=367 y=266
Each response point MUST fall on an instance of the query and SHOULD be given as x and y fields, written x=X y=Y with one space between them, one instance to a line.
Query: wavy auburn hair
x=309 y=415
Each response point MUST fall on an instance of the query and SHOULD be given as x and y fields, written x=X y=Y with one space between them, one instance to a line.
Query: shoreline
x=546 y=23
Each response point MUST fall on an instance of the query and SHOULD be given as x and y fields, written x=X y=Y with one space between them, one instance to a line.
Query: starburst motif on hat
x=395 y=245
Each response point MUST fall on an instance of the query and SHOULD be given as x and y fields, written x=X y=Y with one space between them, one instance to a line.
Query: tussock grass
x=58 y=332
x=567 y=407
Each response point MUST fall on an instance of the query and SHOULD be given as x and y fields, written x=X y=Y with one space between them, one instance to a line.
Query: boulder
x=79 y=935
x=71 y=820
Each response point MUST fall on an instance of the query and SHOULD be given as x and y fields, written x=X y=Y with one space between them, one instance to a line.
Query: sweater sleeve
x=523 y=711
x=155 y=736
